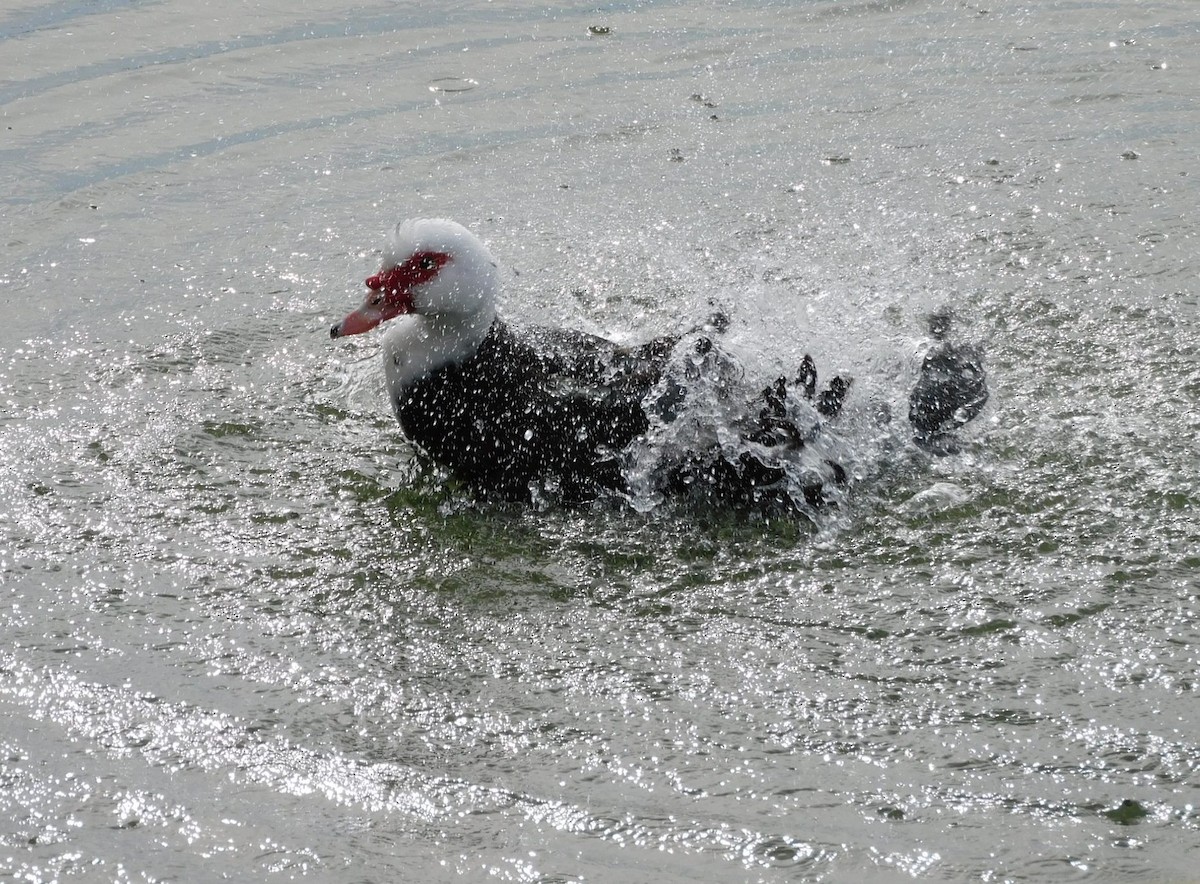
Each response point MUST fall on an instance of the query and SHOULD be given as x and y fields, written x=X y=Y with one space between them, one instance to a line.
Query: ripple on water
x=452 y=84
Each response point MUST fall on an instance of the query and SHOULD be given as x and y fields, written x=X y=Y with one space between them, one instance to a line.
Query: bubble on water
x=452 y=84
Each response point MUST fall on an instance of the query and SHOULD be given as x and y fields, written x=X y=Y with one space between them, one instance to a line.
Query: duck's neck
x=416 y=345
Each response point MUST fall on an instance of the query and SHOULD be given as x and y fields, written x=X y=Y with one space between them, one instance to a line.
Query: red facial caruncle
x=391 y=292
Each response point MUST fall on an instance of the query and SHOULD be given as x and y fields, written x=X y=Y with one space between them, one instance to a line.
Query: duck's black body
x=539 y=409
x=551 y=412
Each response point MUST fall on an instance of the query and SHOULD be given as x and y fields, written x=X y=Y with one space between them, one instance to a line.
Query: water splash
x=707 y=440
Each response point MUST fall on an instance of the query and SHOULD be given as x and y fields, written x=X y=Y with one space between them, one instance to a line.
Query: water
x=247 y=635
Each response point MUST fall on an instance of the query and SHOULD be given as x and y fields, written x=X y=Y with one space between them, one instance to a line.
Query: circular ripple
x=452 y=84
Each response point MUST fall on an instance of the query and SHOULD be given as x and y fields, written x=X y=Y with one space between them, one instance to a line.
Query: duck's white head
x=431 y=267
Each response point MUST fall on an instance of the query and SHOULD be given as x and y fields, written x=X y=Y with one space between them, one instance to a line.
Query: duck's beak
x=361 y=320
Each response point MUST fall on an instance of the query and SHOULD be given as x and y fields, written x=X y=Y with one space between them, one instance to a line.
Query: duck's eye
x=377 y=300
x=429 y=263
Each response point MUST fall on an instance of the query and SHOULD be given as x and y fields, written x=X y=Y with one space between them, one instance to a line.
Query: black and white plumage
x=502 y=409
x=514 y=412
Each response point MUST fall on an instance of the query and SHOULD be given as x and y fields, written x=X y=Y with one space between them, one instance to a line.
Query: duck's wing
x=951 y=390
x=589 y=362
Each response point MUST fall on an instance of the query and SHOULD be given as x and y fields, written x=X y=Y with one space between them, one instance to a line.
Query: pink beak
x=361 y=320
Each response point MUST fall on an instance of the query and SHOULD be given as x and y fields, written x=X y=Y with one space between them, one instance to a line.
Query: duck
x=520 y=412
x=503 y=409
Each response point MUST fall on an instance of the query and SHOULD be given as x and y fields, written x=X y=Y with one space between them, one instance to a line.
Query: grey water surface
x=247 y=634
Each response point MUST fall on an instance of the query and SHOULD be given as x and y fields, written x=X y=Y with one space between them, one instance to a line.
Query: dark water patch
x=1067 y=619
x=56 y=15
x=998 y=625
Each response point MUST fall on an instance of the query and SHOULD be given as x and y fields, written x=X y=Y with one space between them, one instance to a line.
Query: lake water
x=246 y=634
